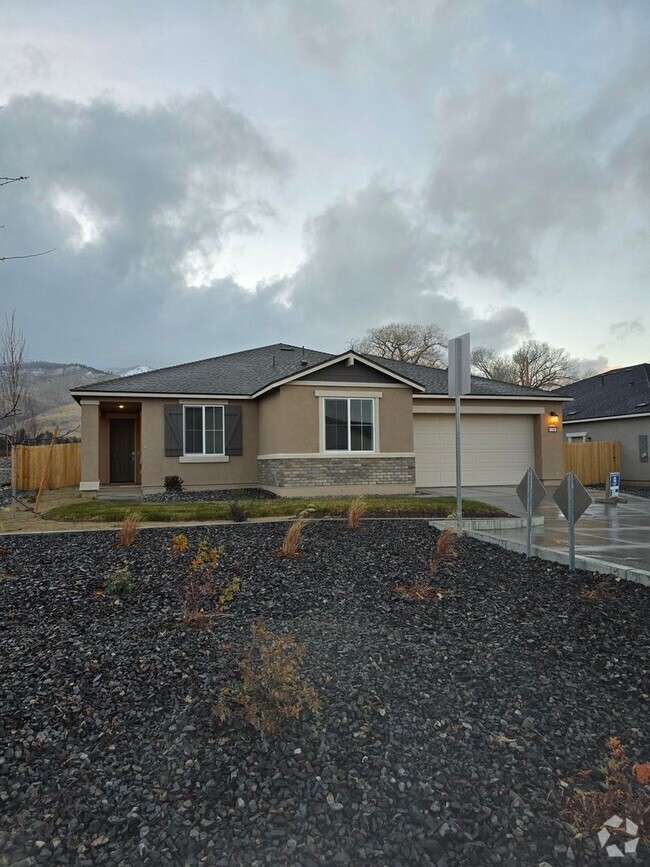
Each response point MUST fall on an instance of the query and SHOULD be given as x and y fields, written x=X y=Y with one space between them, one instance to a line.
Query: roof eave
x=335 y=359
x=607 y=418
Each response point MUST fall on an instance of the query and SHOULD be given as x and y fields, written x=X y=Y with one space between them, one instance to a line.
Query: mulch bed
x=447 y=726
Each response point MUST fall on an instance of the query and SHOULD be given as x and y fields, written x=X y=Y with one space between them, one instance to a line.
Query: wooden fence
x=592 y=461
x=64 y=470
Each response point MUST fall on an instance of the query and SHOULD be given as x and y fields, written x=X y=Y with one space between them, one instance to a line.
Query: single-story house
x=300 y=422
x=614 y=406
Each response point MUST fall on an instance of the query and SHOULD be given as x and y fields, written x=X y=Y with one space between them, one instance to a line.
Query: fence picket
x=591 y=462
x=64 y=470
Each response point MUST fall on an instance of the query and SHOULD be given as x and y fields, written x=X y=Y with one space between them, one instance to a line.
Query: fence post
x=45 y=469
x=14 y=492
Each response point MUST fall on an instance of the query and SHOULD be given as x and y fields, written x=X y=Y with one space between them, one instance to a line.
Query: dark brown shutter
x=173 y=430
x=233 y=430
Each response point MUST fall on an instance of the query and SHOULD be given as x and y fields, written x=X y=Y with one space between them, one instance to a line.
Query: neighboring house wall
x=221 y=472
x=292 y=459
x=627 y=431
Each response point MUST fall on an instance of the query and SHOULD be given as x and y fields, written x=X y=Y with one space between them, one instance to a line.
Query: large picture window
x=349 y=424
x=203 y=430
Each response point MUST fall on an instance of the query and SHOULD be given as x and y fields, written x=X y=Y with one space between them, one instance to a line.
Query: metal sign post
x=572 y=521
x=458 y=382
x=531 y=492
x=573 y=500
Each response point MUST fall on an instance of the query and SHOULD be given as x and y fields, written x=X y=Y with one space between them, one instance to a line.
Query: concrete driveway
x=616 y=534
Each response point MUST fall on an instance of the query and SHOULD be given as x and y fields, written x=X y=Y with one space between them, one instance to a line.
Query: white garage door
x=496 y=450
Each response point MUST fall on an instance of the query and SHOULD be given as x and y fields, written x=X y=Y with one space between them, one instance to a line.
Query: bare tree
x=12 y=355
x=405 y=341
x=534 y=363
x=3 y=183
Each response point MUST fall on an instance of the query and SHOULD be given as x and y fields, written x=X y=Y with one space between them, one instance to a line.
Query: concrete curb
x=488 y=523
x=588 y=564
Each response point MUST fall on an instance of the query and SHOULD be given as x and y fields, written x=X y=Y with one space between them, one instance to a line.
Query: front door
x=122 y=450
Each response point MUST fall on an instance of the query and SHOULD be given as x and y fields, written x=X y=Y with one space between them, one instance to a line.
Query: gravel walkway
x=446 y=731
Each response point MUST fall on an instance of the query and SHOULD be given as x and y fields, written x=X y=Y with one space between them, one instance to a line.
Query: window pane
x=209 y=430
x=361 y=425
x=193 y=430
x=336 y=425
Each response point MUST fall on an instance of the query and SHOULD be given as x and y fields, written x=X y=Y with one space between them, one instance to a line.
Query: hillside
x=48 y=386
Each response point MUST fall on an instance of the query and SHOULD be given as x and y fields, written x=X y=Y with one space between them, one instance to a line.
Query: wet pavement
x=616 y=534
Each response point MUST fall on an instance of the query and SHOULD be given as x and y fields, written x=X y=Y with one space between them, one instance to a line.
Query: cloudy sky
x=218 y=174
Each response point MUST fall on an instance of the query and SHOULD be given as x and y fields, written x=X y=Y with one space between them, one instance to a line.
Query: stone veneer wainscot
x=307 y=471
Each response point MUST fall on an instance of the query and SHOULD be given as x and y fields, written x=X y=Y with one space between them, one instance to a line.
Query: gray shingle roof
x=247 y=372
x=238 y=373
x=625 y=391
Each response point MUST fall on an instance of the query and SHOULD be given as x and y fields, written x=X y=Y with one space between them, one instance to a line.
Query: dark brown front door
x=122 y=450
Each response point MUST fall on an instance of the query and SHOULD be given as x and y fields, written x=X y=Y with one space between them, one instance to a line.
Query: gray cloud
x=621 y=330
x=590 y=366
x=517 y=165
x=136 y=201
x=369 y=261
x=364 y=35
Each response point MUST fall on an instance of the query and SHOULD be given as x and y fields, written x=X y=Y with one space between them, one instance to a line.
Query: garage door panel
x=496 y=449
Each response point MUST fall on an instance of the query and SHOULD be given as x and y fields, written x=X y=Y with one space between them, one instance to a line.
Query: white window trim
x=203 y=457
x=375 y=426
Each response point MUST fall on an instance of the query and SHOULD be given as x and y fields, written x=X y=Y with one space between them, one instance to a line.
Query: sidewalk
x=619 y=535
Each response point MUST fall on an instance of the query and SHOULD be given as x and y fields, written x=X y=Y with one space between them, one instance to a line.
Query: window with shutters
x=203 y=430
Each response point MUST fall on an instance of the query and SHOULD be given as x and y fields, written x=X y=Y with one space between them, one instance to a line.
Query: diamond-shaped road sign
x=581 y=499
x=538 y=490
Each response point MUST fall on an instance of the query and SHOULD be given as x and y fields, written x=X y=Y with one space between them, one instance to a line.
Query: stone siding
x=309 y=472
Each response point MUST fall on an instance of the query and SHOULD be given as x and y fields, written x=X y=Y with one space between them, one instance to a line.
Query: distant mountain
x=131 y=371
x=48 y=387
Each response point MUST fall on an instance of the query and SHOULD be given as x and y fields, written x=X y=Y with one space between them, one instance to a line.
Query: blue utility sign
x=613 y=485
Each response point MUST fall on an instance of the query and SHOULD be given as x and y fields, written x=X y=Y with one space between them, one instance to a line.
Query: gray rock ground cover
x=446 y=730
x=208 y=496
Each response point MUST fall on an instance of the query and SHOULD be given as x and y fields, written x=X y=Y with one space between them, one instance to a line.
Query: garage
x=496 y=449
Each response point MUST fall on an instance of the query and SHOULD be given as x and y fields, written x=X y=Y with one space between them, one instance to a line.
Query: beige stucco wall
x=627 y=432
x=90 y=442
x=237 y=471
x=549 y=460
x=289 y=418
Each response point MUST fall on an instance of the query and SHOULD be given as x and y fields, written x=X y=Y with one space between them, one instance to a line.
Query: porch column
x=89 y=446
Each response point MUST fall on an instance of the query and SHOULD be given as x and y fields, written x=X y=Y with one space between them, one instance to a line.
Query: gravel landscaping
x=447 y=731
x=209 y=496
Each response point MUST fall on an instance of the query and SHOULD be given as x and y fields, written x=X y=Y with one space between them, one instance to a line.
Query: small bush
x=119 y=583
x=622 y=791
x=174 y=484
x=128 y=530
x=357 y=509
x=237 y=512
x=199 y=583
x=292 y=538
x=271 y=687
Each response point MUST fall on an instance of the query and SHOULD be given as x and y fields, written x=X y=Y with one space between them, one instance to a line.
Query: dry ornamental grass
x=358 y=509
x=292 y=538
x=423 y=587
x=128 y=530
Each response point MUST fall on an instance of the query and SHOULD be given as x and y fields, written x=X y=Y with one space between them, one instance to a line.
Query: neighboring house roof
x=614 y=394
x=254 y=371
